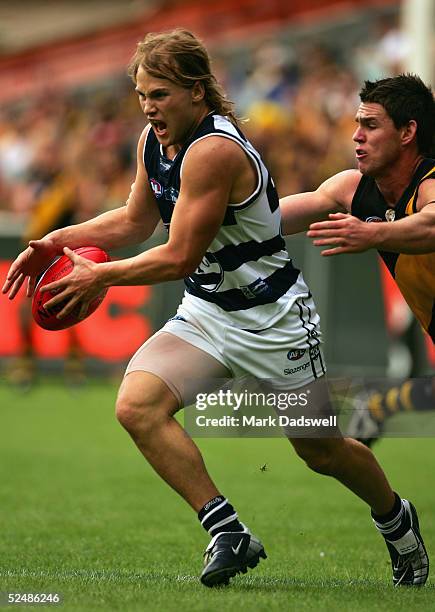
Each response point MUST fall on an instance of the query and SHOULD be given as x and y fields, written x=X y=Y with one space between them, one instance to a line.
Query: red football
x=59 y=268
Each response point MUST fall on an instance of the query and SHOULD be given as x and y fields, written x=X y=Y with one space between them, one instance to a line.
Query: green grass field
x=83 y=515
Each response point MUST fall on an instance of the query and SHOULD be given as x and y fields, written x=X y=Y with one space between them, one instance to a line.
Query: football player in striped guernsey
x=246 y=311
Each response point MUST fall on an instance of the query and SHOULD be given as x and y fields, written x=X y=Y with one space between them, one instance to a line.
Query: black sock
x=218 y=515
x=395 y=523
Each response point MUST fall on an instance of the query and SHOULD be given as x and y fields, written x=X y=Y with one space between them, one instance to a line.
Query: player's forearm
x=156 y=265
x=110 y=230
x=413 y=235
x=299 y=211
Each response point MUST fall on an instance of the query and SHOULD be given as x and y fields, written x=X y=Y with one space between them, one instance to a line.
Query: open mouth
x=159 y=127
x=360 y=153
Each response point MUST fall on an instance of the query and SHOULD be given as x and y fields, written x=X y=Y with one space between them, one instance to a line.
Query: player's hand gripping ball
x=59 y=268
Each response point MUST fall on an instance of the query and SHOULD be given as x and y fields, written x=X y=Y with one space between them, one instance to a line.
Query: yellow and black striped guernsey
x=414 y=274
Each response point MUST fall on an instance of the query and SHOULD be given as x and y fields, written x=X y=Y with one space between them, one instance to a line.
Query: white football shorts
x=197 y=347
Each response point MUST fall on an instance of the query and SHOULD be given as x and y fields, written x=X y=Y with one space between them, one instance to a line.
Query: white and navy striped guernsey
x=246 y=271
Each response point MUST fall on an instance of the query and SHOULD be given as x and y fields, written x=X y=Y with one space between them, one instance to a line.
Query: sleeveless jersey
x=246 y=271
x=414 y=274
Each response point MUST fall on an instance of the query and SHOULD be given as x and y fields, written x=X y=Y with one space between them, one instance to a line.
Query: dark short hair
x=405 y=97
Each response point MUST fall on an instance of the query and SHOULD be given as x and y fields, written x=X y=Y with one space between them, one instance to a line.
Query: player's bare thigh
x=169 y=370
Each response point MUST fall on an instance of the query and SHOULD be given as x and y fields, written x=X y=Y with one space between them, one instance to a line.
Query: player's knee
x=137 y=414
x=130 y=414
x=143 y=404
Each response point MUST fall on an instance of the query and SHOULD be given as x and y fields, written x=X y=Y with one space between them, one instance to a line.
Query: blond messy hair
x=178 y=56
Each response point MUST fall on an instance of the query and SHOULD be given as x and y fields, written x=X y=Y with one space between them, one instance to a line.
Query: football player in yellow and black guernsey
x=387 y=203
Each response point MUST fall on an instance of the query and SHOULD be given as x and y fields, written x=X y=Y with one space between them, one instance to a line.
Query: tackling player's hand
x=31 y=262
x=343 y=233
x=82 y=285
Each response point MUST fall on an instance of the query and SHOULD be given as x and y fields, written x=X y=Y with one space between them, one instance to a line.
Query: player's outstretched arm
x=300 y=210
x=411 y=235
x=416 y=233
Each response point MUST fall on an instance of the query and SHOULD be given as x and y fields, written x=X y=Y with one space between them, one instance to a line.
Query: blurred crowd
x=65 y=156
x=68 y=155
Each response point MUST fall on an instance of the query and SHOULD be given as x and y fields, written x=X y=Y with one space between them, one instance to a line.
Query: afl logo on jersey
x=156 y=187
x=209 y=275
x=373 y=220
